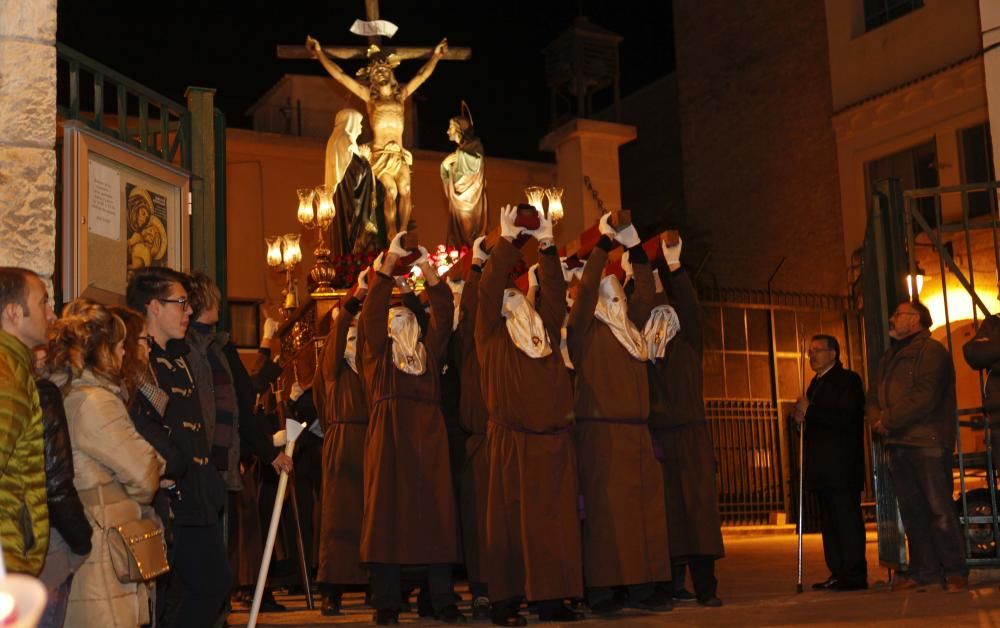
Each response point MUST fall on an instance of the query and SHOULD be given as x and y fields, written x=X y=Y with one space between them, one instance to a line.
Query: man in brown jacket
x=911 y=405
x=625 y=520
x=343 y=410
x=409 y=515
x=532 y=528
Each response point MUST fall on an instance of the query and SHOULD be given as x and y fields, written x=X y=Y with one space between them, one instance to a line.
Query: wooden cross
x=357 y=52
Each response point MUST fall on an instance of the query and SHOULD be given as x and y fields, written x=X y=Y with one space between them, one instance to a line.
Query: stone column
x=28 y=134
x=587 y=148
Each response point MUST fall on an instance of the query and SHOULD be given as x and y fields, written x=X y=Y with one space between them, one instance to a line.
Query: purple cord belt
x=592 y=419
x=522 y=430
x=413 y=398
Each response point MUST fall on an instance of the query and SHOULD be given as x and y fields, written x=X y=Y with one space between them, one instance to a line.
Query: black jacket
x=255 y=437
x=834 y=438
x=65 y=510
x=203 y=493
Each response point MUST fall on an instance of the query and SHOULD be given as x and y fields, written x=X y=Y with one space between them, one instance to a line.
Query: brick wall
x=758 y=148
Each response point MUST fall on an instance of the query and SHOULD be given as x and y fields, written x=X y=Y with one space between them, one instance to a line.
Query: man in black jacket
x=983 y=352
x=832 y=414
x=200 y=575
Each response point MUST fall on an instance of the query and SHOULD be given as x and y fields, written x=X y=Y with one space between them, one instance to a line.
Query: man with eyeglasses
x=200 y=579
x=832 y=413
x=911 y=405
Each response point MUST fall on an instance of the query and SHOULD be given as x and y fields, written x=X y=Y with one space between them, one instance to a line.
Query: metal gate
x=753 y=361
x=934 y=228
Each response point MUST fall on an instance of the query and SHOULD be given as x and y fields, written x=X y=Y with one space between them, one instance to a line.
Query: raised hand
x=508 y=213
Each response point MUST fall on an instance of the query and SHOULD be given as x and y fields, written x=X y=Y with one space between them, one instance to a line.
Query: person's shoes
x=270 y=605
x=956 y=584
x=710 y=602
x=826 y=584
x=480 y=608
x=904 y=583
x=849 y=585
x=385 y=617
x=507 y=616
x=683 y=595
x=450 y=615
x=604 y=607
x=656 y=603
x=331 y=606
x=561 y=613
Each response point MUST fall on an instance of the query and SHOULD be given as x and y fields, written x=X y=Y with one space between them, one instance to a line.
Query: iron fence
x=754 y=372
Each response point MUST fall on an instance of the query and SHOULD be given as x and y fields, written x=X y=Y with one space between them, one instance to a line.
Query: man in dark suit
x=832 y=414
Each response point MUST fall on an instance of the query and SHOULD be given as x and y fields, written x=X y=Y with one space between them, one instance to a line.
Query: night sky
x=231 y=46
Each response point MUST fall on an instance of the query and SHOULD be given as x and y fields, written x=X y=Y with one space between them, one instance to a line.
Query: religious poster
x=146 y=227
x=104 y=189
x=123 y=209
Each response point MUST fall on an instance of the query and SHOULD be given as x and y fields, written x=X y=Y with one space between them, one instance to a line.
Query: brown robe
x=409 y=516
x=475 y=471
x=677 y=420
x=343 y=408
x=532 y=529
x=625 y=524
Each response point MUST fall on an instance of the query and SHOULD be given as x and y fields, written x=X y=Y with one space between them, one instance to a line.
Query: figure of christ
x=384 y=98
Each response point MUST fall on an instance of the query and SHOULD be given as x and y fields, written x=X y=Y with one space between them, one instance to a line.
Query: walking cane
x=802 y=465
x=292 y=432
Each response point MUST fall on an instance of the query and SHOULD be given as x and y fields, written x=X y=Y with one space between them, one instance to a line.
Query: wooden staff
x=293 y=430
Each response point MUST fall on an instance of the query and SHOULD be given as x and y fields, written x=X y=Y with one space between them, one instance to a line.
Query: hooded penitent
x=660 y=329
x=525 y=325
x=408 y=353
x=612 y=310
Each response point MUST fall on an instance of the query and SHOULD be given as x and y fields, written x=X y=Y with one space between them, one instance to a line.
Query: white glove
x=628 y=237
x=270 y=328
x=672 y=254
x=533 y=276
x=479 y=252
x=544 y=230
x=425 y=257
x=626 y=266
x=363 y=280
x=396 y=246
x=456 y=287
x=279 y=438
x=604 y=226
x=507 y=227
x=379 y=262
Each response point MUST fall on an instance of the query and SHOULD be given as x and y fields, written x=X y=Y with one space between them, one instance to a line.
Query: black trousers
x=843 y=528
x=386 y=586
x=922 y=479
x=199 y=574
x=702 y=570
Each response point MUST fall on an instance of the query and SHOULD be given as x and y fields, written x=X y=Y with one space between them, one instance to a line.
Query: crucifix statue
x=385 y=99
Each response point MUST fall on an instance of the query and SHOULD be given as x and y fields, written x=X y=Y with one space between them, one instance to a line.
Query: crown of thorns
x=376 y=58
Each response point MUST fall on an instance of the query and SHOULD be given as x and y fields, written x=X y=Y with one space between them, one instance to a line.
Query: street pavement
x=757 y=583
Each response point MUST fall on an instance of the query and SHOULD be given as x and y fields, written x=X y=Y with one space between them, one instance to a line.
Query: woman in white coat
x=117 y=471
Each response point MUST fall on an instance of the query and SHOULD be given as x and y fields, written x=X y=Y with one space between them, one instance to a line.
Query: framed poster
x=122 y=210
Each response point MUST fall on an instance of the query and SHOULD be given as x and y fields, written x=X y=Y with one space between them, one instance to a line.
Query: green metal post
x=201 y=104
